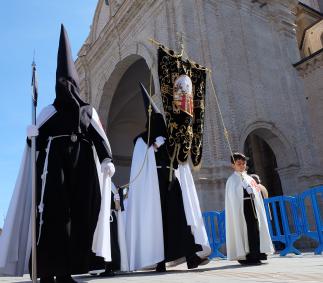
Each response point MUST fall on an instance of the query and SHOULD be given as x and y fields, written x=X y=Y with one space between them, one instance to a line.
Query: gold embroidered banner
x=182 y=86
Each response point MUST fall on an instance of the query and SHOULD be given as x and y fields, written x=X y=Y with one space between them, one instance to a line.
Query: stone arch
x=284 y=151
x=122 y=111
x=263 y=162
x=273 y=156
x=109 y=84
x=114 y=71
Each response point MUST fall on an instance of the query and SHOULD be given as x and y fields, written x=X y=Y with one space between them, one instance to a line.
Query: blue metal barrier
x=215 y=228
x=279 y=224
x=283 y=227
x=317 y=234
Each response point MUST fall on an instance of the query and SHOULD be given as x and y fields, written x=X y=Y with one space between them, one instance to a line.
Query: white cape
x=144 y=231
x=144 y=226
x=192 y=209
x=15 y=241
x=236 y=227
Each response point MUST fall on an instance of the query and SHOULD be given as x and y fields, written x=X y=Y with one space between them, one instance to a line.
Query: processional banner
x=182 y=86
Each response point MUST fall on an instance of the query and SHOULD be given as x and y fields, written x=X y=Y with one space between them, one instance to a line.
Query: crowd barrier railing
x=282 y=228
x=215 y=228
x=312 y=196
x=288 y=220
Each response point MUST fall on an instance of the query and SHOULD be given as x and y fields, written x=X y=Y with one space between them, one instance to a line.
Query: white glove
x=247 y=187
x=107 y=168
x=159 y=141
x=116 y=197
x=249 y=190
x=32 y=131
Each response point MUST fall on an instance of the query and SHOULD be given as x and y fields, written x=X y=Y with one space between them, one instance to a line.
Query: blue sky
x=25 y=26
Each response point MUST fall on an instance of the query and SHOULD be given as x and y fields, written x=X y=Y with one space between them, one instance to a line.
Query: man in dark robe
x=69 y=201
x=74 y=171
x=178 y=241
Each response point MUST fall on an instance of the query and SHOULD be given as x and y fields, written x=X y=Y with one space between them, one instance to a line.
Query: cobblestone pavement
x=307 y=268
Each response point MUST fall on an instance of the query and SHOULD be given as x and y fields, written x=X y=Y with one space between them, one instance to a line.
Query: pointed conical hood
x=67 y=80
x=68 y=101
x=65 y=64
x=148 y=100
x=157 y=122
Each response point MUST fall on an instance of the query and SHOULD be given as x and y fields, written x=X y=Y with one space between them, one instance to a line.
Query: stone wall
x=311 y=72
x=249 y=48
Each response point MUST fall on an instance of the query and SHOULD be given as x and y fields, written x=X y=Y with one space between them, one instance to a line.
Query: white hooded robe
x=236 y=227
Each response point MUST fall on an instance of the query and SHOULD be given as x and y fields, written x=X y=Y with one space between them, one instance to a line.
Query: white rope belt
x=111 y=217
x=159 y=167
x=43 y=184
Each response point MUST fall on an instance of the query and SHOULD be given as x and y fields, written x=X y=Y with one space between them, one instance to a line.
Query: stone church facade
x=253 y=50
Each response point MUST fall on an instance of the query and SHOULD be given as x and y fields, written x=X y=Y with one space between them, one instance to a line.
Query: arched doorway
x=127 y=117
x=263 y=163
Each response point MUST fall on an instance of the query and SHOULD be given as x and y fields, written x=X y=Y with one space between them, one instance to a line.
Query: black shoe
x=47 y=280
x=254 y=262
x=194 y=261
x=161 y=267
x=255 y=257
x=65 y=279
x=250 y=262
x=107 y=273
x=263 y=256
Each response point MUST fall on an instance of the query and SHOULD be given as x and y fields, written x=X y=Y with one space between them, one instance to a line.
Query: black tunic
x=178 y=239
x=115 y=263
x=252 y=229
x=72 y=193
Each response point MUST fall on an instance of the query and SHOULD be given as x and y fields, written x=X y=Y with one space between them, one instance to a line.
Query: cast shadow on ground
x=84 y=279
x=89 y=278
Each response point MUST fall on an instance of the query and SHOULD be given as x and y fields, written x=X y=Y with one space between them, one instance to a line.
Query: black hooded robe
x=71 y=196
x=178 y=239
